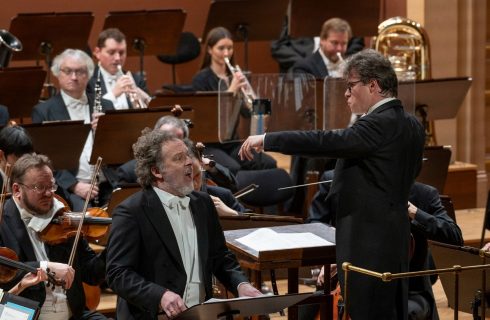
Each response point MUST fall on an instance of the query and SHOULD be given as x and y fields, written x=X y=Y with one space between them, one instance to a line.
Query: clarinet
x=97 y=109
x=98 y=95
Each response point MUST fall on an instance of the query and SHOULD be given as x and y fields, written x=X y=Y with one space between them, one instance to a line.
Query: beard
x=35 y=209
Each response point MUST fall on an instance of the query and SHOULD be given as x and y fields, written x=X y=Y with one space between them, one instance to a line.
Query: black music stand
x=308 y=16
x=61 y=141
x=118 y=130
x=250 y=19
x=45 y=35
x=149 y=32
x=243 y=307
x=25 y=80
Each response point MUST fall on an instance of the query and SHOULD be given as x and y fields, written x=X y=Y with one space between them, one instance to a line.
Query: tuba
x=406 y=44
x=8 y=43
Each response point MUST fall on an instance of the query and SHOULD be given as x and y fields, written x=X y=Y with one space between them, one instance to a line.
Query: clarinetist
x=116 y=85
x=73 y=68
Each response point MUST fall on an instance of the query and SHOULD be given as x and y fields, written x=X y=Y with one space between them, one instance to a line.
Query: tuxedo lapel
x=15 y=224
x=201 y=226
x=157 y=215
x=59 y=109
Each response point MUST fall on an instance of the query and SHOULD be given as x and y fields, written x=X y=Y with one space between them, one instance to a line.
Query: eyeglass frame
x=78 y=72
x=352 y=84
x=37 y=189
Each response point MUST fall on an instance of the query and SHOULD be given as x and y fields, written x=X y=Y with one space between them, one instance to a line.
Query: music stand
x=245 y=307
x=308 y=16
x=149 y=32
x=29 y=81
x=45 y=34
x=435 y=167
x=117 y=130
x=250 y=19
x=469 y=281
x=61 y=141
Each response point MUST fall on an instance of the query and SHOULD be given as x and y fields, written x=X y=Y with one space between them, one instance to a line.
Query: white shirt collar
x=379 y=103
x=334 y=68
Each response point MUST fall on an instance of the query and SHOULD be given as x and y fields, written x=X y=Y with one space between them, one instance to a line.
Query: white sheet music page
x=265 y=239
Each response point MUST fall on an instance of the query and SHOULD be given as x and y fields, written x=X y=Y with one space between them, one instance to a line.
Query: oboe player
x=116 y=86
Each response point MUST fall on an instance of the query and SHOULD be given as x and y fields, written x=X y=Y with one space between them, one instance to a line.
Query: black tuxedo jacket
x=89 y=267
x=143 y=258
x=54 y=109
x=106 y=104
x=313 y=65
x=379 y=157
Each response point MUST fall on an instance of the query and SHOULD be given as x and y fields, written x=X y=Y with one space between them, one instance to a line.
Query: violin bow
x=84 y=211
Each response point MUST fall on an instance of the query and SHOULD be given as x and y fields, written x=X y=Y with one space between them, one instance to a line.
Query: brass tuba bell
x=406 y=44
x=8 y=43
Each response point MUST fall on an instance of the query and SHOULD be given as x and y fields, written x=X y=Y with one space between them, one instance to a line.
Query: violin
x=65 y=223
x=9 y=265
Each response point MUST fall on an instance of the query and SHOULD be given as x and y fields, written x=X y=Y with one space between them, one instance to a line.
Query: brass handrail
x=388 y=276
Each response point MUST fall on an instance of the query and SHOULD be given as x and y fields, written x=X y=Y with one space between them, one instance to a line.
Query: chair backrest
x=188 y=49
x=268 y=181
x=449 y=206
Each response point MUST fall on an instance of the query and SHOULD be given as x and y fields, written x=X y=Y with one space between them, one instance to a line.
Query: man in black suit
x=334 y=39
x=429 y=221
x=119 y=90
x=73 y=68
x=378 y=158
x=27 y=214
x=166 y=241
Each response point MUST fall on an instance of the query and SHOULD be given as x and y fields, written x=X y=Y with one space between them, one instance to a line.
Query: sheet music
x=265 y=239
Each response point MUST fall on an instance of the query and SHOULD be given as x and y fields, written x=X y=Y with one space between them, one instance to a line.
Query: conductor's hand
x=62 y=272
x=486 y=247
x=172 y=304
x=247 y=290
x=252 y=143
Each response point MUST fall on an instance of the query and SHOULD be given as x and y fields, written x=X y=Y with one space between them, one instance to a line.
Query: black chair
x=188 y=49
x=267 y=193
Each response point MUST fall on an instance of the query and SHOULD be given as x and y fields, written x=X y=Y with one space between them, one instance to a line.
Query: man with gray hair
x=166 y=241
x=73 y=68
x=378 y=158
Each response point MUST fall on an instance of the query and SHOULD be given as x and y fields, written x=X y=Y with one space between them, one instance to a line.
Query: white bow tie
x=182 y=201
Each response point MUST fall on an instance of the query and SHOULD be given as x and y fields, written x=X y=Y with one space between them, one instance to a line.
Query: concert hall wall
x=260 y=60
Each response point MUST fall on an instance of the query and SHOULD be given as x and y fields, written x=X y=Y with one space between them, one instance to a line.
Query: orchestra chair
x=188 y=49
x=267 y=193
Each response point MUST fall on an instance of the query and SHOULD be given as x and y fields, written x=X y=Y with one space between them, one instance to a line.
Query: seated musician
x=14 y=142
x=73 y=68
x=166 y=241
x=26 y=215
x=224 y=201
x=327 y=60
x=118 y=87
x=213 y=74
x=429 y=221
x=218 y=173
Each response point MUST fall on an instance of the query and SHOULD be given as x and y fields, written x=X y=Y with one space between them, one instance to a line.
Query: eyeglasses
x=77 y=72
x=39 y=189
x=352 y=84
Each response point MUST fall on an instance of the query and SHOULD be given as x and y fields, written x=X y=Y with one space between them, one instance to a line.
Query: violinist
x=224 y=201
x=166 y=241
x=218 y=173
x=14 y=142
x=26 y=214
